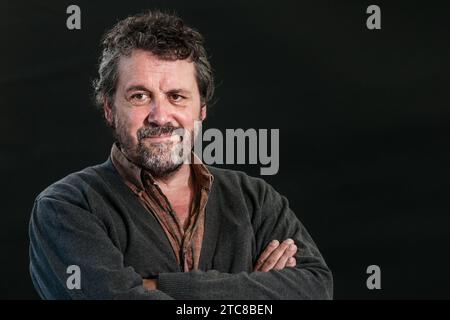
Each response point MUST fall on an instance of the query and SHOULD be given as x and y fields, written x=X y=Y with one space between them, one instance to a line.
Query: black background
x=363 y=117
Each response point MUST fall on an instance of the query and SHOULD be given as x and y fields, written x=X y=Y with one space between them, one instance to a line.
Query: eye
x=139 y=98
x=175 y=97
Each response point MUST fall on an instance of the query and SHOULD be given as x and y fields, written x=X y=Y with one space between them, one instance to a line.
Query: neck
x=178 y=179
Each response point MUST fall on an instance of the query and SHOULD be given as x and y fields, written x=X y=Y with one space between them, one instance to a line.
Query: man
x=151 y=222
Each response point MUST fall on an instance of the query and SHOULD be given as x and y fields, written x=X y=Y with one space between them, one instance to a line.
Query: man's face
x=154 y=109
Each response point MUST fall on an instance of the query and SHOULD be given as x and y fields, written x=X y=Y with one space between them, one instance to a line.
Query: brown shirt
x=186 y=243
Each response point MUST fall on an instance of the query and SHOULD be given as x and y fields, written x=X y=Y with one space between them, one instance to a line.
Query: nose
x=159 y=113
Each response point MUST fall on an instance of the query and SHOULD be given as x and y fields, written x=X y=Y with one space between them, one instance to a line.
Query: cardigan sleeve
x=309 y=279
x=63 y=234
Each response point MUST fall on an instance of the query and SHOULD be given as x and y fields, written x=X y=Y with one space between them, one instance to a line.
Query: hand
x=277 y=256
x=150 y=284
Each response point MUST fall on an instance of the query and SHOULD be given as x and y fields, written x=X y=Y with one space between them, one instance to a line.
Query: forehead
x=144 y=68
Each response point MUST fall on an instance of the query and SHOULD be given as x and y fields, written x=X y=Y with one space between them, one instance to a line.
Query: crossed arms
x=276 y=256
x=63 y=233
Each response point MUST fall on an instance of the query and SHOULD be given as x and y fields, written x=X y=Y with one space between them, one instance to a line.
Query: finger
x=292 y=262
x=290 y=251
x=272 y=260
x=266 y=253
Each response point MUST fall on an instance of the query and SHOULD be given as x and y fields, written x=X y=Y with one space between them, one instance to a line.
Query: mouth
x=160 y=137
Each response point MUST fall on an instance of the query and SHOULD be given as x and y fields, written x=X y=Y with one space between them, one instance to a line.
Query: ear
x=107 y=109
x=203 y=112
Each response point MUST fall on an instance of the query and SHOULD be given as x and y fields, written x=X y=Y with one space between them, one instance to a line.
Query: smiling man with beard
x=152 y=223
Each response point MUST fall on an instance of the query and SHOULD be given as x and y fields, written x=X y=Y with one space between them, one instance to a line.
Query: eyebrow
x=179 y=91
x=136 y=88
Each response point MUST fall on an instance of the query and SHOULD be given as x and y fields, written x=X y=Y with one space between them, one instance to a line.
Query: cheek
x=130 y=122
x=135 y=120
x=187 y=119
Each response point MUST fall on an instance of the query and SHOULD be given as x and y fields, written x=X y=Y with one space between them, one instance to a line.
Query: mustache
x=166 y=129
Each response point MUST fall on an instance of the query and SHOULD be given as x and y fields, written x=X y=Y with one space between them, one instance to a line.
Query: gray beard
x=160 y=159
x=163 y=159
